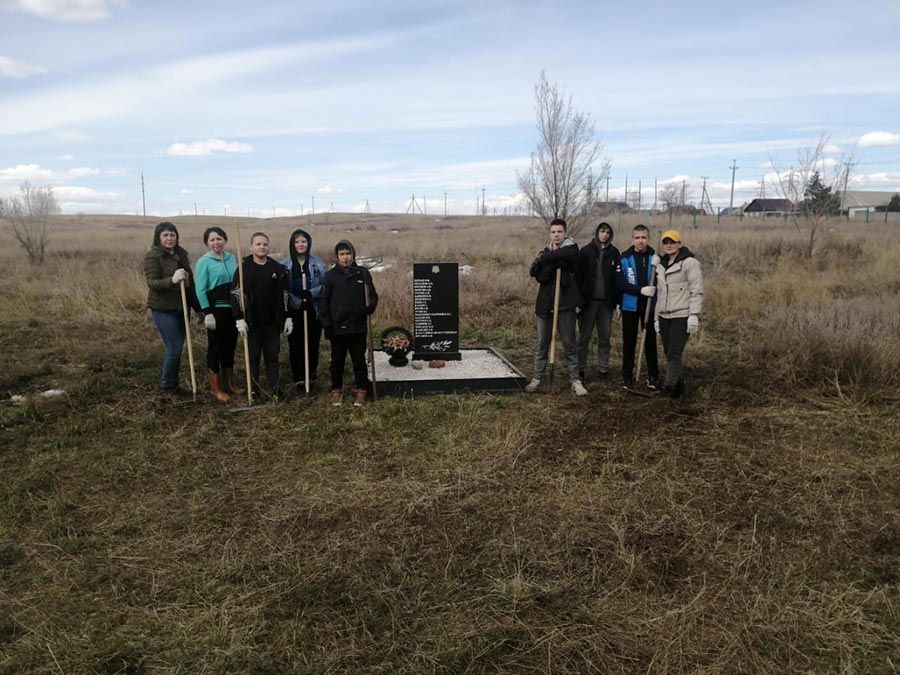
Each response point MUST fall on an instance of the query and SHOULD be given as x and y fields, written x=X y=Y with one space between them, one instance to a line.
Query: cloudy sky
x=265 y=107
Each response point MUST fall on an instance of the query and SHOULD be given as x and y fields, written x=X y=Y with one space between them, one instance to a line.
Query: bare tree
x=562 y=175
x=28 y=217
x=669 y=195
x=812 y=185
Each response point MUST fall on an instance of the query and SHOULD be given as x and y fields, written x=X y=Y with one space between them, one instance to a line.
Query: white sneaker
x=533 y=386
x=578 y=388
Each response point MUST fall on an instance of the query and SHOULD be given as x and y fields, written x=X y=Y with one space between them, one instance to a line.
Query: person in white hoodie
x=679 y=282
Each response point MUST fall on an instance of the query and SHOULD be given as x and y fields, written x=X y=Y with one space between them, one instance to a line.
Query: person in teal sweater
x=213 y=275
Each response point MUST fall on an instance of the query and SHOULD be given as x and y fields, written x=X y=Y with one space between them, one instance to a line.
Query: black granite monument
x=436 y=311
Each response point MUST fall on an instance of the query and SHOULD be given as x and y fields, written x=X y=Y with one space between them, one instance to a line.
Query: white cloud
x=35 y=173
x=208 y=147
x=832 y=149
x=879 y=139
x=80 y=171
x=328 y=190
x=65 y=158
x=185 y=191
x=66 y=10
x=23 y=172
x=18 y=69
x=76 y=193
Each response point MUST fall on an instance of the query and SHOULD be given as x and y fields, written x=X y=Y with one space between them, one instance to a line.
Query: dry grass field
x=751 y=527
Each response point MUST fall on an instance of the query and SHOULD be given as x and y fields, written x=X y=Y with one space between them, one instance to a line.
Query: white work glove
x=288 y=326
x=179 y=275
x=654 y=260
x=617 y=314
x=693 y=323
x=649 y=291
x=241 y=326
x=209 y=321
x=656 y=326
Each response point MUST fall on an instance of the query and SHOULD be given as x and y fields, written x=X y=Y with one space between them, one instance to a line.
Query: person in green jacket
x=166 y=265
x=213 y=274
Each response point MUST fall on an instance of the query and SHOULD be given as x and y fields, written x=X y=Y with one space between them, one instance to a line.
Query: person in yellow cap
x=679 y=282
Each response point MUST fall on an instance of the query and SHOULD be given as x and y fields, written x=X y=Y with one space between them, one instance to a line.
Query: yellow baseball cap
x=671 y=234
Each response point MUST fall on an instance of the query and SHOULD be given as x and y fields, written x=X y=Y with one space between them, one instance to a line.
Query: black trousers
x=220 y=343
x=631 y=321
x=264 y=340
x=355 y=345
x=295 y=345
x=674 y=338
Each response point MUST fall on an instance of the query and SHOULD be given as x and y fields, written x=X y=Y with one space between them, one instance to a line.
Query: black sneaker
x=653 y=383
x=581 y=375
x=628 y=382
x=603 y=377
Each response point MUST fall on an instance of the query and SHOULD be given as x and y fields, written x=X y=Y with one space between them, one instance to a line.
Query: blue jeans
x=171 y=328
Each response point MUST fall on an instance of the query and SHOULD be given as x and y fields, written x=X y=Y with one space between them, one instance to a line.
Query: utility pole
x=225 y=210
x=445 y=202
x=425 y=203
x=734 y=167
x=626 y=189
x=705 y=202
x=762 y=187
x=844 y=191
x=332 y=207
x=607 y=190
x=367 y=209
x=143 y=195
x=313 y=204
x=483 y=207
x=683 y=190
x=639 y=196
x=273 y=211
x=654 y=193
x=195 y=209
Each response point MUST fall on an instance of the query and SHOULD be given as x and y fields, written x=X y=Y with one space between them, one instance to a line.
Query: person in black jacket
x=265 y=298
x=561 y=254
x=596 y=276
x=343 y=312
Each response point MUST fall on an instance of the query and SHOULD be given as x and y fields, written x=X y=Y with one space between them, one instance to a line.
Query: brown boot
x=214 y=387
x=336 y=397
x=360 y=398
x=229 y=384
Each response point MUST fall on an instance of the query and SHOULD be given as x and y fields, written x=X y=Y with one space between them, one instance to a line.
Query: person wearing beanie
x=595 y=273
x=214 y=271
x=302 y=264
x=633 y=280
x=166 y=265
x=264 y=315
x=679 y=281
x=344 y=313
x=560 y=254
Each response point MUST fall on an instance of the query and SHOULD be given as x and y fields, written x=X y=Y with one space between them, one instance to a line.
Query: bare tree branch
x=562 y=175
x=28 y=217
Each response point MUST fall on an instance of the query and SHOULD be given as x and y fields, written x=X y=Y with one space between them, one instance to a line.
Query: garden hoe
x=369 y=264
x=246 y=344
x=641 y=341
x=190 y=346
x=551 y=365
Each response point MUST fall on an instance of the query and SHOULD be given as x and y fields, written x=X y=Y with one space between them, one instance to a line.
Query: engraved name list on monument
x=436 y=311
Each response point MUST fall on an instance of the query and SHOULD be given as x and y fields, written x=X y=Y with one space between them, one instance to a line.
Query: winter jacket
x=586 y=270
x=213 y=279
x=543 y=269
x=627 y=281
x=315 y=276
x=342 y=304
x=679 y=286
x=278 y=271
x=159 y=265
